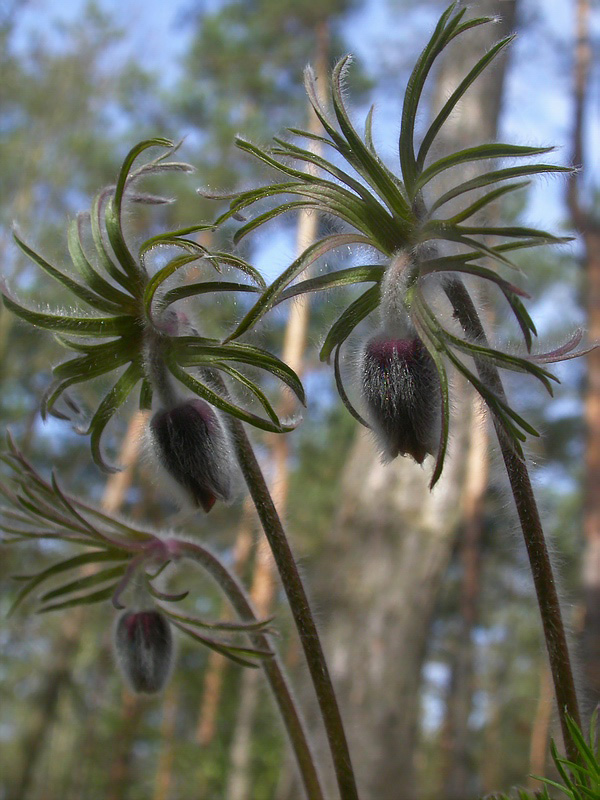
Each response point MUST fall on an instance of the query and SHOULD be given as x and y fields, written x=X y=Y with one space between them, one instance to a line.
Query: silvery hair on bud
x=144 y=649
x=401 y=392
x=394 y=314
x=399 y=381
x=193 y=447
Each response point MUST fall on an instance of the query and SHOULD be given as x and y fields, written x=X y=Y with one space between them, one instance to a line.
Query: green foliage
x=128 y=305
x=138 y=323
x=397 y=217
x=579 y=780
x=37 y=510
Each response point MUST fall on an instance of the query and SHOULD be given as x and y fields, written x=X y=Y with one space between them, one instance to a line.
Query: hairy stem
x=299 y=605
x=294 y=723
x=531 y=526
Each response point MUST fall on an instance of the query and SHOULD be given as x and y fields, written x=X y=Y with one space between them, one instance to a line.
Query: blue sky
x=537 y=108
x=537 y=105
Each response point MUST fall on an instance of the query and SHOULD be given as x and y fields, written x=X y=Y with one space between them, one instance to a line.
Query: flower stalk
x=300 y=608
x=531 y=527
x=272 y=667
x=34 y=509
x=405 y=221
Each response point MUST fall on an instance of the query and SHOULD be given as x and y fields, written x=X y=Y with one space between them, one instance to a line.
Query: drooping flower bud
x=144 y=647
x=401 y=390
x=194 y=450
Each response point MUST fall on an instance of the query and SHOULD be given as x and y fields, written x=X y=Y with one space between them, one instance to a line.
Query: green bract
x=397 y=217
x=578 y=780
x=115 y=555
x=128 y=311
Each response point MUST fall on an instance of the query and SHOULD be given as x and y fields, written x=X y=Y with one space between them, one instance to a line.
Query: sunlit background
x=429 y=623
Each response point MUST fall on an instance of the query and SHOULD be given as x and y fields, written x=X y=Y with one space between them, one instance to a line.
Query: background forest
x=424 y=601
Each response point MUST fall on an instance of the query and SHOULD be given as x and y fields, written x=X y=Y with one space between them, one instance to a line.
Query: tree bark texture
x=458 y=758
x=586 y=220
x=264 y=580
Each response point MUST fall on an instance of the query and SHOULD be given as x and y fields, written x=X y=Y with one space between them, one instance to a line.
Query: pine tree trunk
x=591 y=558
x=391 y=544
x=460 y=695
x=264 y=579
x=217 y=663
x=120 y=774
x=586 y=221
x=385 y=561
x=540 y=731
x=164 y=772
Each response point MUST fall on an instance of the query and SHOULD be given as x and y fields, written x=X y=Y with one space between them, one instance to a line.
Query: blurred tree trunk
x=164 y=772
x=45 y=707
x=458 y=764
x=385 y=559
x=587 y=220
x=264 y=582
x=391 y=543
x=120 y=773
x=540 y=731
x=217 y=664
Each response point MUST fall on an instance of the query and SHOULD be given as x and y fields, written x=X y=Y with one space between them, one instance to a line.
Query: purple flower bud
x=144 y=647
x=401 y=390
x=194 y=450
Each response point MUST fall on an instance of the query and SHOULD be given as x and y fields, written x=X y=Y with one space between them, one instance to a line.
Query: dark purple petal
x=193 y=449
x=144 y=646
x=401 y=391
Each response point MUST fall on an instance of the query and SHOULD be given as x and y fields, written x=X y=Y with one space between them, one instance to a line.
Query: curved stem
x=299 y=605
x=531 y=526
x=273 y=669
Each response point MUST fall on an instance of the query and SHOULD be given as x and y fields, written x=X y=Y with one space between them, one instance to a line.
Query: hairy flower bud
x=401 y=390
x=144 y=647
x=194 y=450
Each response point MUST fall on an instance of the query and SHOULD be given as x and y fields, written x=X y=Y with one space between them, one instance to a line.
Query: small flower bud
x=401 y=390
x=144 y=647
x=193 y=448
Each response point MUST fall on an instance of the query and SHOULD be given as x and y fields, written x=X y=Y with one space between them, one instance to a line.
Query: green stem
x=299 y=605
x=293 y=722
x=531 y=526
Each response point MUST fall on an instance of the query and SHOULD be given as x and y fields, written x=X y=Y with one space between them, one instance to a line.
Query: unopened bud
x=194 y=450
x=144 y=646
x=401 y=390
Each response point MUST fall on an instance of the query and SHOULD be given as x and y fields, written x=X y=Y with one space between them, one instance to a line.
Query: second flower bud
x=401 y=390
x=193 y=448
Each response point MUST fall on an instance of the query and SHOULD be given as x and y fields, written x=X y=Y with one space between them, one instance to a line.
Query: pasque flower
x=124 y=565
x=129 y=324
x=401 y=391
x=144 y=648
x=407 y=225
x=192 y=446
